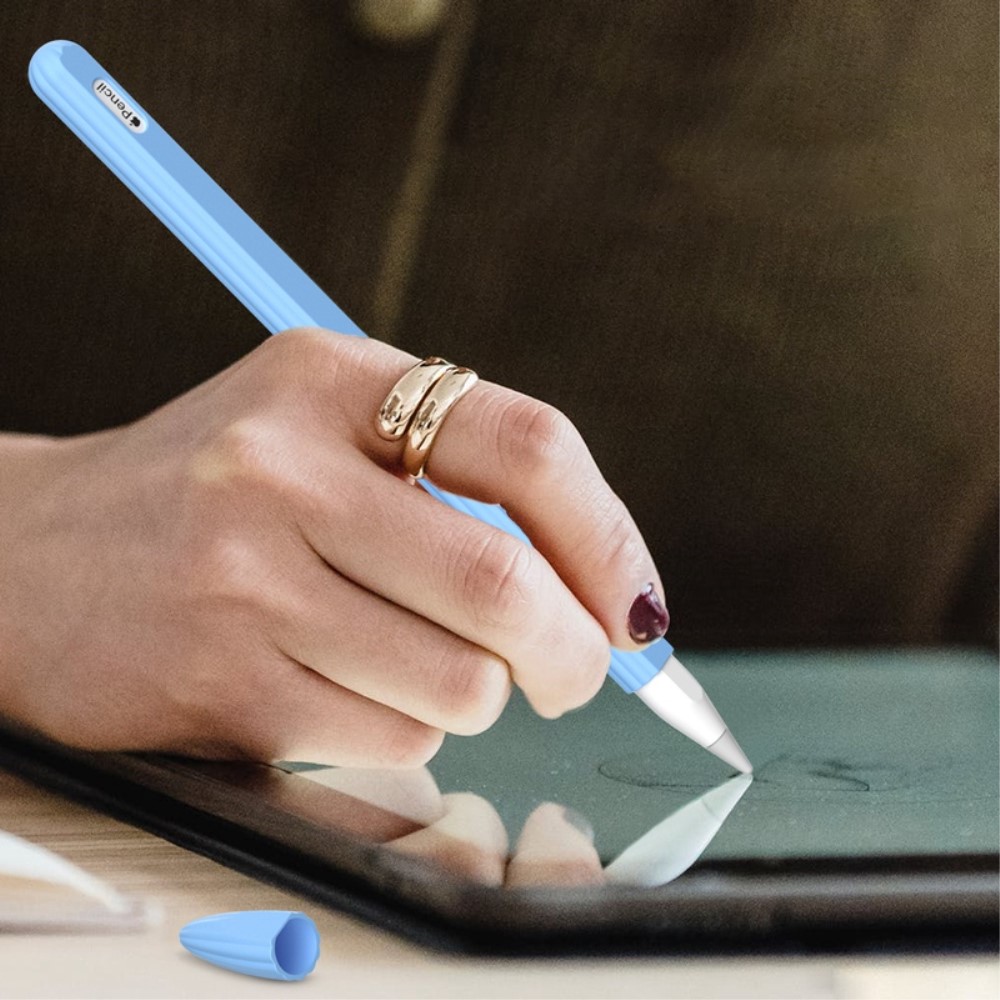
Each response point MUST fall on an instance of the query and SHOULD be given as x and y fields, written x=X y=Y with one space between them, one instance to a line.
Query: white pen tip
x=726 y=748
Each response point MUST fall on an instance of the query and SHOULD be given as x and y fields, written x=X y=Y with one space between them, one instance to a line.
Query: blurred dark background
x=749 y=248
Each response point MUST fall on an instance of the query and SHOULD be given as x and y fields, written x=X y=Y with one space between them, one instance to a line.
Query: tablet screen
x=873 y=805
x=856 y=755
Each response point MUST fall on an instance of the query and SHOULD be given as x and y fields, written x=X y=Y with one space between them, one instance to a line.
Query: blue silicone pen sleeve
x=129 y=141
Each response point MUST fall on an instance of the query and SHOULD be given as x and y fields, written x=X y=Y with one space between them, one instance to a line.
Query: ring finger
x=471 y=579
x=389 y=654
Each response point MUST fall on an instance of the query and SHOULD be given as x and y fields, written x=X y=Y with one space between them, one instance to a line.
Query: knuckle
x=251 y=737
x=408 y=743
x=294 y=359
x=301 y=344
x=536 y=440
x=242 y=723
x=225 y=565
x=199 y=697
x=499 y=582
x=321 y=373
x=239 y=454
x=250 y=467
x=473 y=688
x=619 y=548
x=222 y=579
x=218 y=706
x=582 y=676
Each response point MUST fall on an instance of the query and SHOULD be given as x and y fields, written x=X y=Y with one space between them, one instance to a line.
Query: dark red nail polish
x=647 y=618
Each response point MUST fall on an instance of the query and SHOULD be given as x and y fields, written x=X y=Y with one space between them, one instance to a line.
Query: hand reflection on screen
x=463 y=833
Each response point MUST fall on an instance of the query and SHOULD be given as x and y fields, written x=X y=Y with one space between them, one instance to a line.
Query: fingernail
x=579 y=822
x=647 y=618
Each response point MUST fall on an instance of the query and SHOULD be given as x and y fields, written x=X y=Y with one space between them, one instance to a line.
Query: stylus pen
x=264 y=278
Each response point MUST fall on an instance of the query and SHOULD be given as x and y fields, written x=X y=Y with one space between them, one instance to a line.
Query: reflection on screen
x=463 y=833
x=856 y=755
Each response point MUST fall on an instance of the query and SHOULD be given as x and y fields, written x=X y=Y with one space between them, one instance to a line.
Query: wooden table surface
x=361 y=961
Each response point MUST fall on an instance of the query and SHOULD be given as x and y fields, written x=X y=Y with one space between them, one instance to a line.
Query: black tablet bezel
x=833 y=904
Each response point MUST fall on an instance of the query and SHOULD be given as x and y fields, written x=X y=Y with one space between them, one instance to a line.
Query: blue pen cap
x=269 y=944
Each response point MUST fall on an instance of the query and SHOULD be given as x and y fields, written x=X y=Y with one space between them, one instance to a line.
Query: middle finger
x=471 y=579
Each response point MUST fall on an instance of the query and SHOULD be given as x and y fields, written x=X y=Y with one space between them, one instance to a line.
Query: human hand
x=246 y=572
x=459 y=832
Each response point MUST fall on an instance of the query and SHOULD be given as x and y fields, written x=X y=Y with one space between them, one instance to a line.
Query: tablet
x=871 y=820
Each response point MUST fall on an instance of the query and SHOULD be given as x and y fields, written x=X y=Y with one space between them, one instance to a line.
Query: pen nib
x=726 y=748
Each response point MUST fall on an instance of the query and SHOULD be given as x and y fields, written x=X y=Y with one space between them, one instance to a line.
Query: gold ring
x=442 y=395
x=399 y=406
